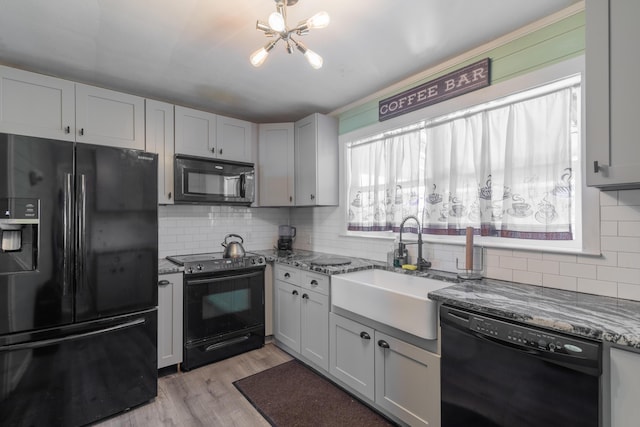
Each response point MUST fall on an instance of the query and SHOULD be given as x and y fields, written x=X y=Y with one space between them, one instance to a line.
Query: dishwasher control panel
x=518 y=335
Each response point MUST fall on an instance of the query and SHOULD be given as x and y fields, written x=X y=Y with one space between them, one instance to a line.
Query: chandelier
x=277 y=27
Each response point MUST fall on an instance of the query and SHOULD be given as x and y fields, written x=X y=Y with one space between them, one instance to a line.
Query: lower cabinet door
x=352 y=354
x=314 y=313
x=287 y=314
x=170 y=319
x=407 y=381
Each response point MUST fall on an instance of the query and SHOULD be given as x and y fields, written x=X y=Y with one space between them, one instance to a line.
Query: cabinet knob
x=169 y=195
x=365 y=336
x=81 y=131
x=383 y=344
x=287 y=275
x=220 y=151
x=305 y=296
x=313 y=196
x=596 y=167
x=294 y=293
x=314 y=282
x=67 y=129
x=163 y=283
x=290 y=198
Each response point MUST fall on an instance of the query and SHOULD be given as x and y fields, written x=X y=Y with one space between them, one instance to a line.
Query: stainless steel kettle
x=233 y=249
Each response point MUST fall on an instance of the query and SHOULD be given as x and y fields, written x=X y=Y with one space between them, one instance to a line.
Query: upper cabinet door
x=316 y=161
x=36 y=105
x=159 y=140
x=612 y=93
x=234 y=139
x=195 y=132
x=105 y=117
x=275 y=164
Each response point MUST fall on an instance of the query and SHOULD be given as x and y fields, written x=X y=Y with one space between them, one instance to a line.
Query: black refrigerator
x=78 y=281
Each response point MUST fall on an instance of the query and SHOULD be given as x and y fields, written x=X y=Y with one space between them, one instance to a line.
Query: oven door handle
x=223 y=278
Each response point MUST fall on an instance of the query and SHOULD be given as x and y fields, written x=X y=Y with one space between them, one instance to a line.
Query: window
x=509 y=167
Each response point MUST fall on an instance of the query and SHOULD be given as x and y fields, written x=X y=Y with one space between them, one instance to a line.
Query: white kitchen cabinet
x=195 y=132
x=352 y=356
x=234 y=139
x=170 y=300
x=160 y=140
x=276 y=172
x=106 y=117
x=400 y=378
x=625 y=388
x=302 y=314
x=612 y=91
x=407 y=381
x=316 y=161
x=36 y=105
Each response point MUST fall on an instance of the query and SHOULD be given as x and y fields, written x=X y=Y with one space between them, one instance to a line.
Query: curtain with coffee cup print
x=506 y=171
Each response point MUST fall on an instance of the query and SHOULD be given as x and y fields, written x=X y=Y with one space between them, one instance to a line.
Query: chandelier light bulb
x=319 y=20
x=276 y=22
x=258 y=57
x=313 y=59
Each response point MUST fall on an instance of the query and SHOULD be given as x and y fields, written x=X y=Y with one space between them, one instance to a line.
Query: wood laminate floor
x=204 y=396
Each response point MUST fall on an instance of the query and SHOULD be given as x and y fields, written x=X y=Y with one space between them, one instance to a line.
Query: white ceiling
x=195 y=52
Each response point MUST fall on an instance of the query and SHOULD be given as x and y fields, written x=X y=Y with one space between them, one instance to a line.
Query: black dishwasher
x=496 y=373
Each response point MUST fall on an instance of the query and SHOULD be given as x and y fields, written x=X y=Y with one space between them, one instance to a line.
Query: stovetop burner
x=213 y=262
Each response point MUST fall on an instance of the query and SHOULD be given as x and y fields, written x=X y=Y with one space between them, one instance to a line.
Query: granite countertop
x=308 y=260
x=167 y=267
x=591 y=316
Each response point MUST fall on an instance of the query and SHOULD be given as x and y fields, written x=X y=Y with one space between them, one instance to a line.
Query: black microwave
x=212 y=181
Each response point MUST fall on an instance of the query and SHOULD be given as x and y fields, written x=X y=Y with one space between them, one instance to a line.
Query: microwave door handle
x=243 y=185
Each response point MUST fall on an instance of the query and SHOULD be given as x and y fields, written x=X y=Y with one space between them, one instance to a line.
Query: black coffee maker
x=286 y=236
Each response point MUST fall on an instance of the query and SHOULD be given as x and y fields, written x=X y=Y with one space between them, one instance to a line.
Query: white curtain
x=505 y=171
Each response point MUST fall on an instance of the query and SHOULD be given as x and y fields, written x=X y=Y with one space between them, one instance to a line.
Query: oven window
x=224 y=303
x=208 y=183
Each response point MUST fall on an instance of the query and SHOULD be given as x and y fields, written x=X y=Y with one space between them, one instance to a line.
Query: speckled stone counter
x=591 y=316
x=308 y=260
x=167 y=267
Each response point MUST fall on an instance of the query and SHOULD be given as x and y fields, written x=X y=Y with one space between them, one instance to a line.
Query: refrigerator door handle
x=68 y=236
x=81 y=255
x=45 y=343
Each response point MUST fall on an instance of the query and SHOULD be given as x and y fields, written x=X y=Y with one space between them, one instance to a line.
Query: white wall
x=615 y=273
x=190 y=229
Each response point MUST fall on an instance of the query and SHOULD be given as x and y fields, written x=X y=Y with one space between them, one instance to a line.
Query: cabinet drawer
x=315 y=282
x=286 y=274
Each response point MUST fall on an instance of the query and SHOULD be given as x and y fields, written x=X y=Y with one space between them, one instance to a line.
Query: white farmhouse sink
x=394 y=299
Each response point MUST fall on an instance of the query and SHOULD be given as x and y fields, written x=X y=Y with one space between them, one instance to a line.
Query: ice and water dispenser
x=19 y=223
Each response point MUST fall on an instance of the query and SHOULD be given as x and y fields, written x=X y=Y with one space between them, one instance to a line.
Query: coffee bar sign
x=464 y=80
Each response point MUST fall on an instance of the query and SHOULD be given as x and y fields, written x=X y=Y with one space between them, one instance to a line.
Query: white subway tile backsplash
x=606 y=258
x=548 y=267
x=598 y=287
x=620 y=244
x=560 y=282
x=629 y=197
x=619 y=213
x=513 y=263
x=619 y=274
x=630 y=228
x=628 y=291
x=578 y=270
x=629 y=260
x=609 y=228
x=608 y=198
x=528 y=277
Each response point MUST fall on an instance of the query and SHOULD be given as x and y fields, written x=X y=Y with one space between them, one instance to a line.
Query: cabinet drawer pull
x=81 y=131
x=596 y=167
x=314 y=282
x=67 y=129
x=383 y=344
x=163 y=283
x=169 y=195
x=221 y=151
x=305 y=296
x=294 y=293
x=365 y=336
x=313 y=197
x=287 y=275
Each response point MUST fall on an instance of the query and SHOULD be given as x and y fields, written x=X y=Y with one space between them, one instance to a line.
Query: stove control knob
x=253 y=260
x=199 y=267
x=189 y=270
